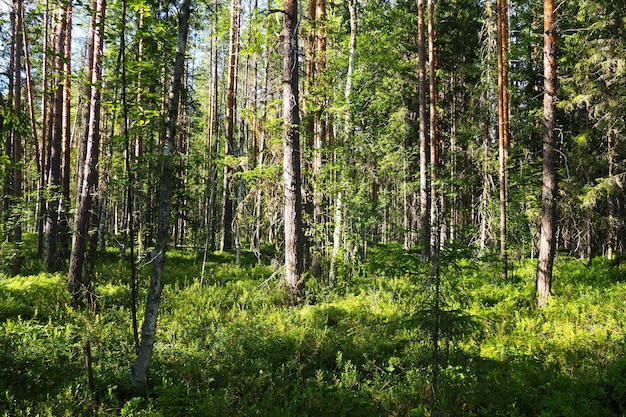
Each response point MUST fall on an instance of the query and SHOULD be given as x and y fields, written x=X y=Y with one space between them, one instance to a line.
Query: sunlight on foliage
x=233 y=347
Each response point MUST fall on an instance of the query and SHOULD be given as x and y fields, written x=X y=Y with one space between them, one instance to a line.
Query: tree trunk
x=31 y=97
x=129 y=160
x=139 y=369
x=16 y=137
x=88 y=168
x=256 y=159
x=503 y=125
x=547 y=244
x=488 y=106
x=66 y=172
x=294 y=245
x=424 y=149
x=435 y=203
x=260 y=154
x=212 y=148
x=44 y=123
x=53 y=255
x=316 y=64
x=214 y=143
x=338 y=217
x=227 y=202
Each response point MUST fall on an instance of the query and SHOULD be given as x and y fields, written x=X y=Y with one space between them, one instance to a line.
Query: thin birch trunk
x=139 y=369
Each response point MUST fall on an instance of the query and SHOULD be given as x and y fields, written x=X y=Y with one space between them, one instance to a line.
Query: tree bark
x=489 y=103
x=66 y=172
x=53 y=255
x=227 y=201
x=214 y=136
x=44 y=123
x=316 y=64
x=212 y=148
x=547 y=244
x=87 y=186
x=423 y=139
x=294 y=244
x=433 y=134
x=31 y=97
x=139 y=369
x=129 y=160
x=503 y=125
x=338 y=217
x=16 y=138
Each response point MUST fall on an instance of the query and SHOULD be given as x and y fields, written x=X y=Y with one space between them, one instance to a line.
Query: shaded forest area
x=354 y=207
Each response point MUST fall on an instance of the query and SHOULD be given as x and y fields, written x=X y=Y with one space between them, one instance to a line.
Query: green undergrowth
x=230 y=344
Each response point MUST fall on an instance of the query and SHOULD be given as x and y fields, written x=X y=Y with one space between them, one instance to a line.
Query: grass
x=232 y=346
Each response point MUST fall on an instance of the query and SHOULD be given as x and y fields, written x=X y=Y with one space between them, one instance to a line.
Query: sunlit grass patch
x=231 y=343
x=43 y=295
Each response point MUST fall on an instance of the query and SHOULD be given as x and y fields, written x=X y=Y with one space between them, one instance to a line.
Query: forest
x=315 y=208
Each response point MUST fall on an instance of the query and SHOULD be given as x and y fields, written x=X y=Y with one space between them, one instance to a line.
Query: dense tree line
x=498 y=125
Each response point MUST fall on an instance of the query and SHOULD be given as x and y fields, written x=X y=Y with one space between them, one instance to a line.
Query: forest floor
x=231 y=345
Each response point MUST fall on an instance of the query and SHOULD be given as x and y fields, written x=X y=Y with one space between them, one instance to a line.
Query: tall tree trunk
x=139 y=369
x=260 y=152
x=66 y=173
x=30 y=93
x=488 y=106
x=321 y=125
x=229 y=145
x=54 y=255
x=44 y=124
x=140 y=199
x=129 y=161
x=81 y=153
x=12 y=198
x=424 y=149
x=435 y=203
x=8 y=147
x=212 y=148
x=503 y=125
x=338 y=216
x=255 y=235
x=214 y=142
x=87 y=186
x=313 y=125
x=547 y=244
x=33 y=129
x=16 y=147
x=294 y=239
